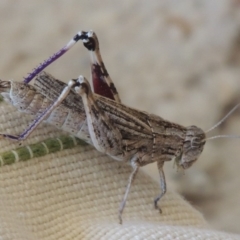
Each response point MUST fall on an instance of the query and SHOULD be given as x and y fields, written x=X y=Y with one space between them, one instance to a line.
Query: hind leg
x=102 y=82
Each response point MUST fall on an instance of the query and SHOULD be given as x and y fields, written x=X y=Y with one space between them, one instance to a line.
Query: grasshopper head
x=192 y=147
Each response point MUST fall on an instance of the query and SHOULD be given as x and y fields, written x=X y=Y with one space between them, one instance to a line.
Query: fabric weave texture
x=75 y=194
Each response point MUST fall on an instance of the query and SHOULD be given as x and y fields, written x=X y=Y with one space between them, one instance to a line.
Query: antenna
x=223 y=119
x=219 y=123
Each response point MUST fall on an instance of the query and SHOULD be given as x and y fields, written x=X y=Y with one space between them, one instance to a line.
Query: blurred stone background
x=177 y=59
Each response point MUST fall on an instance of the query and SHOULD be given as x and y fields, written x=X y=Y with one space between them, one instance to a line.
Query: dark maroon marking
x=105 y=73
x=113 y=88
x=90 y=44
x=99 y=84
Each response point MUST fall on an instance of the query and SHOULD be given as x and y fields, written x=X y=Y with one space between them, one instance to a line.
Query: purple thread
x=38 y=120
x=23 y=135
x=53 y=58
x=10 y=136
x=43 y=65
x=34 y=123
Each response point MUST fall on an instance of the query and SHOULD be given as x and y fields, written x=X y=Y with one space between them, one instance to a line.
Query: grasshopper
x=98 y=117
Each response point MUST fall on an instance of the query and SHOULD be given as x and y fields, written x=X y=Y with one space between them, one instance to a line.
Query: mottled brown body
x=142 y=137
x=124 y=133
x=148 y=135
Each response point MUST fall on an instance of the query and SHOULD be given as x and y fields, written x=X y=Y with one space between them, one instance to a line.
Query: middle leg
x=163 y=185
x=105 y=136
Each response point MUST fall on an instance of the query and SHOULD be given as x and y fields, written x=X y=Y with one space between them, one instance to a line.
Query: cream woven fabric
x=75 y=194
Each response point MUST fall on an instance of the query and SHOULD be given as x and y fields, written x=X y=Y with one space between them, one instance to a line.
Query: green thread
x=40 y=149
x=23 y=153
x=53 y=145
x=8 y=158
